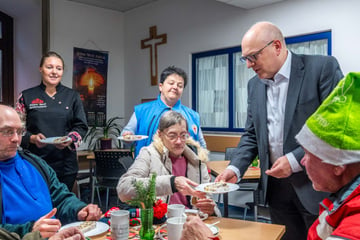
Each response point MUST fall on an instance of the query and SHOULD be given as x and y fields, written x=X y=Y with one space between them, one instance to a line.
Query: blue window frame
x=219 y=81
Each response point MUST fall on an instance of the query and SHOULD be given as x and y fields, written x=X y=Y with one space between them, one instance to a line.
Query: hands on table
x=205 y=205
x=70 y=233
x=48 y=226
x=195 y=229
x=90 y=213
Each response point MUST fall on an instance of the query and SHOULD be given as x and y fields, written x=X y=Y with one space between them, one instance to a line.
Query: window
x=220 y=81
x=6 y=60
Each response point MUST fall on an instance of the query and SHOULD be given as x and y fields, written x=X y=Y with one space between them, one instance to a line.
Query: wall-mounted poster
x=90 y=80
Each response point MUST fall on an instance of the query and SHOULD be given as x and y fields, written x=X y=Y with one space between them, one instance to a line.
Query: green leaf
x=111 y=129
x=145 y=195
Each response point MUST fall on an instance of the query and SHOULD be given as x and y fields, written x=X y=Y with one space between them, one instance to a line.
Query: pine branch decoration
x=145 y=195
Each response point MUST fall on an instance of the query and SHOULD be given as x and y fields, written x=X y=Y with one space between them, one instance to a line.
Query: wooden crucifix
x=152 y=42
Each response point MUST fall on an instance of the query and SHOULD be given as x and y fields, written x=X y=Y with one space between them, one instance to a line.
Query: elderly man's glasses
x=174 y=136
x=253 y=57
x=9 y=132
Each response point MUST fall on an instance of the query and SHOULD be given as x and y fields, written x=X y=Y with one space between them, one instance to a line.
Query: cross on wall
x=152 y=42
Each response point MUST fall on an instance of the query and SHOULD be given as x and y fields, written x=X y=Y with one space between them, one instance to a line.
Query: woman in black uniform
x=53 y=110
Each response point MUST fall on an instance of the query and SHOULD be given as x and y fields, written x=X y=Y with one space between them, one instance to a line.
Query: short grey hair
x=171 y=118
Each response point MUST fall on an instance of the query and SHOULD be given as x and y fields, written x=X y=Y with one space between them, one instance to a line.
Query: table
x=237 y=229
x=218 y=167
x=251 y=175
x=244 y=230
x=83 y=159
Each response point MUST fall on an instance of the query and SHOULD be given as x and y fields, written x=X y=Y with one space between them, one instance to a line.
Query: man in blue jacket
x=31 y=196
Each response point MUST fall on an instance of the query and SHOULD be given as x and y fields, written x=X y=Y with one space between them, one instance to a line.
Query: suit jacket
x=312 y=78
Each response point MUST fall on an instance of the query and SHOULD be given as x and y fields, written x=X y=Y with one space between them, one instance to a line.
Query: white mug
x=175 y=210
x=175 y=227
x=119 y=225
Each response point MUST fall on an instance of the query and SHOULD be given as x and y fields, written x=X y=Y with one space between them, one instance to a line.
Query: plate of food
x=132 y=138
x=217 y=187
x=55 y=140
x=89 y=228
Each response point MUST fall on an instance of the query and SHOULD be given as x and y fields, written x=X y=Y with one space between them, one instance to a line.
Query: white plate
x=51 y=140
x=101 y=227
x=230 y=187
x=133 y=138
x=214 y=229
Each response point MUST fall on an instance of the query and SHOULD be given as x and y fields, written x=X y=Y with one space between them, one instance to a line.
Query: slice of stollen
x=87 y=226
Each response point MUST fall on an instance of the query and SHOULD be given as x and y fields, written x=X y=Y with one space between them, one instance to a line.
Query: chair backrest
x=229 y=152
x=112 y=164
x=126 y=162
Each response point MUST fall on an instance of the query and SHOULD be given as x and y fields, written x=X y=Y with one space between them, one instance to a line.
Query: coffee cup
x=175 y=227
x=175 y=210
x=119 y=225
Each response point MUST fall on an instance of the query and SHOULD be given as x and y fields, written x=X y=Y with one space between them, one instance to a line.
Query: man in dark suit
x=287 y=89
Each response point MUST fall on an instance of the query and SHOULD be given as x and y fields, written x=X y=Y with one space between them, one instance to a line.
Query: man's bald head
x=11 y=129
x=7 y=112
x=263 y=47
x=263 y=32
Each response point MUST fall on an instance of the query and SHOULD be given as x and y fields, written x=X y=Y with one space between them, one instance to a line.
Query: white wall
x=191 y=25
x=306 y=16
x=78 y=25
x=194 y=26
x=27 y=41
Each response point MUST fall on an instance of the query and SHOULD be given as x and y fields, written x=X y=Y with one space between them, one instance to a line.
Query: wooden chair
x=109 y=167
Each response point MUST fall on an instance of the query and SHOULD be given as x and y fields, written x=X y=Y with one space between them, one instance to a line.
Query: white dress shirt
x=277 y=92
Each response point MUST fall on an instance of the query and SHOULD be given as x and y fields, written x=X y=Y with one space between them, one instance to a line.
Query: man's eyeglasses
x=253 y=57
x=9 y=132
x=173 y=136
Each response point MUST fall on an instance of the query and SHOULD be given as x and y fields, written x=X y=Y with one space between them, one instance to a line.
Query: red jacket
x=339 y=219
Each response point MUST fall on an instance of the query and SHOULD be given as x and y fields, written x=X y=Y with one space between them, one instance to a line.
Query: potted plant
x=102 y=137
